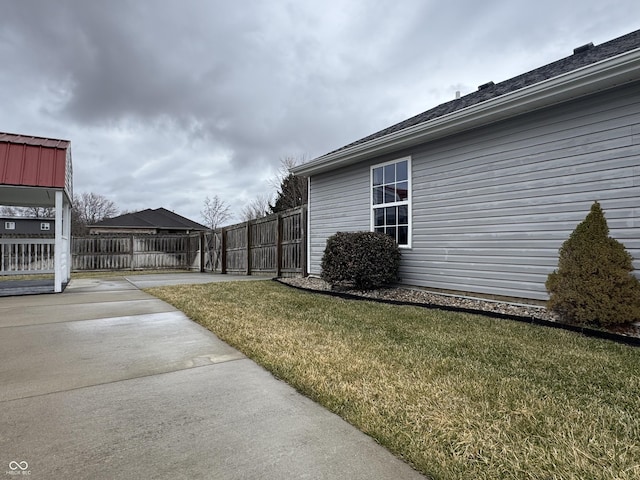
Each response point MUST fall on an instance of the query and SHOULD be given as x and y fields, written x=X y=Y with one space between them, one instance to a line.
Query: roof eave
x=583 y=81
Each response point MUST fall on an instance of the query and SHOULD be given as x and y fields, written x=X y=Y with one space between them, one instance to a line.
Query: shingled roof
x=583 y=56
x=588 y=70
x=159 y=218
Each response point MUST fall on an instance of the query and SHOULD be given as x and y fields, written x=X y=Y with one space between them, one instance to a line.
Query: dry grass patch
x=122 y=273
x=91 y=274
x=456 y=395
x=15 y=278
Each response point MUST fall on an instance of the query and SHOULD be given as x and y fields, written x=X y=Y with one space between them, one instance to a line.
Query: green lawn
x=458 y=396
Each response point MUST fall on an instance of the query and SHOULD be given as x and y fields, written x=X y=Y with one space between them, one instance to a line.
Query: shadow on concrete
x=9 y=288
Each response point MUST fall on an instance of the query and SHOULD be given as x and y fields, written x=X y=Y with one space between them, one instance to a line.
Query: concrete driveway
x=105 y=381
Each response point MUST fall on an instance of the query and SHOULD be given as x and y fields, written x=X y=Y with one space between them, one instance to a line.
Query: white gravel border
x=415 y=295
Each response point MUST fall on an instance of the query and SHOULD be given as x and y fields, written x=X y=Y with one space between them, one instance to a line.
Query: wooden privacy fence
x=273 y=245
x=135 y=252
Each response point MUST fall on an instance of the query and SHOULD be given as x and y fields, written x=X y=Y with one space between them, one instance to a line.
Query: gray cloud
x=169 y=101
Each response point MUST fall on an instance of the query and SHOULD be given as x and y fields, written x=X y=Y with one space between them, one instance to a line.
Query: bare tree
x=256 y=208
x=292 y=189
x=7 y=211
x=34 y=212
x=94 y=207
x=88 y=209
x=41 y=212
x=215 y=212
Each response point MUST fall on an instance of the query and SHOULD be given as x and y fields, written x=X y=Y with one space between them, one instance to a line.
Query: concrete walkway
x=106 y=382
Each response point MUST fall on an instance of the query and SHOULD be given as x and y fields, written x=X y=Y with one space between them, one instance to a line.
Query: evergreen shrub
x=594 y=284
x=366 y=260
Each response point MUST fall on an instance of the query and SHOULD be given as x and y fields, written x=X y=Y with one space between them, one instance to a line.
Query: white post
x=67 y=234
x=307 y=235
x=58 y=246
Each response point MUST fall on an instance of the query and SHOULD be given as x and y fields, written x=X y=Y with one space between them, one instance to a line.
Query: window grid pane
x=390 y=215
x=403 y=236
x=402 y=191
x=401 y=171
x=403 y=215
x=377 y=176
x=390 y=173
x=389 y=194
x=378 y=195
x=378 y=217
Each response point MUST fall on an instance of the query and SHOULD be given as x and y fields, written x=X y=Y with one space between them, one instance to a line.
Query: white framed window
x=9 y=225
x=45 y=226
x=391 y=200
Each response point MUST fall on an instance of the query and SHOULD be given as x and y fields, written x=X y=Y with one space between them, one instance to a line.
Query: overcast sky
x=168 y=101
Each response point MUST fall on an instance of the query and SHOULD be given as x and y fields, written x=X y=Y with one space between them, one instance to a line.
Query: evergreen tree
x=292 y=193
x=594 y=283
x=291 y=189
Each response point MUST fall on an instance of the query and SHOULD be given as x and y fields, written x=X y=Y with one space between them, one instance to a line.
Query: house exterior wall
x=139 y=231
x=122 y=230
x=340 y=201
x=27 y=226
x=491 y=207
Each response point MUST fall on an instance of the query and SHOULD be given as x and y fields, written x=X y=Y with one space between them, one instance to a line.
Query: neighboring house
x=27 y=226
x=159 y=220
x=480 y=192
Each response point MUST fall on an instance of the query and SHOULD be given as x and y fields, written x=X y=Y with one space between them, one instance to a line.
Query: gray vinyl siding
x=491 y=207
x=340 y=203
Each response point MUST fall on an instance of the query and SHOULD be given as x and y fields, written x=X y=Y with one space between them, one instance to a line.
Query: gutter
x=599 y=76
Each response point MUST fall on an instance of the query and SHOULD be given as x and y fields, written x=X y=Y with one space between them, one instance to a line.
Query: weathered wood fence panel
x=293 y=244
x=263 y=245
x=272 y=245
x=235 y=249
x=135 y=252
x=101 y=253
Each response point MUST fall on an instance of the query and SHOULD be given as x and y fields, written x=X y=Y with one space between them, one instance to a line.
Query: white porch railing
x=23 y=256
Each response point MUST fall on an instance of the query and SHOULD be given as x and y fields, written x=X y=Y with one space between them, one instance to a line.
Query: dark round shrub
x=366 y=260
x=593 y=283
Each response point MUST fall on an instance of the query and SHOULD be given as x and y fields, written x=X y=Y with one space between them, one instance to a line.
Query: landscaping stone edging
x=589 y=332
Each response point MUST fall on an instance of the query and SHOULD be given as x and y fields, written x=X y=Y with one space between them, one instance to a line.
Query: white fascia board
x=614 y=71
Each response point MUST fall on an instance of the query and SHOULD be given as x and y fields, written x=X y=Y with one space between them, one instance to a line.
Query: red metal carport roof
x=33 y=161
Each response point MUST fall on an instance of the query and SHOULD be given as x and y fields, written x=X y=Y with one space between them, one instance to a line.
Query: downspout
x=308 y=235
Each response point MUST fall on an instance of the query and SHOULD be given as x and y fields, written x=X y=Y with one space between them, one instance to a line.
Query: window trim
x=407 y=202
x=9 y=225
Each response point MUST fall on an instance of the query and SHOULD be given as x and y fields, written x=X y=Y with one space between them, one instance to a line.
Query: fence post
x=133 y=253
x=248 y=247
x=303 y=241
x=202 y=247
x=278 y=245
x=223 y=251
